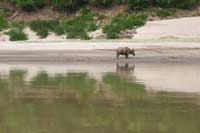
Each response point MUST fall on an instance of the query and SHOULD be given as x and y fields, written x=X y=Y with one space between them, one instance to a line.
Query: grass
x=18 y=25
x=6 y=12
x=163 y=13
x=123 y=22
x=16 y=32
x=75 y=28
x=3 y=23
x=17 y=35
x=43 y=27
x=78 y=26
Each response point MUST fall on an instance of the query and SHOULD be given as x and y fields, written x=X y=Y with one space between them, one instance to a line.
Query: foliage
x=18 y=25
x=16 y=32
x=3 y=23
x=137 y=4
x=122 y=22
x=43 y=27
x=17 y=35
x=101 y=3
x=29 y=5
x=163 y=13
x=185 y=4
x=78 y=26
x=67 y=5
x=39 y=3
x=6 y=12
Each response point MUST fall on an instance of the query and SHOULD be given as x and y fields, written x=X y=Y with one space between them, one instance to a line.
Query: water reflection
x=77 y=102
x=125 y=70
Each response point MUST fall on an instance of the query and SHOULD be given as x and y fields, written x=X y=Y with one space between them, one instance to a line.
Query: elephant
x=124 y=51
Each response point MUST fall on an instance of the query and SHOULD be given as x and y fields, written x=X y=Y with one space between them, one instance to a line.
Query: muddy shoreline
x=153 y=54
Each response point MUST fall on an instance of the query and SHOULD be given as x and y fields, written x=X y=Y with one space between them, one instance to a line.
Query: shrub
x=26 y=5
x=78 y=26
x=123 y=22
x=29 y=5
x=165 y=13
x=39 y=3
x=101 y=3
x=6 y=12
x=185 y=4
x=92 y=27
x=121 y=1
x=59 y=29
x=16 y=35
x=18 y=25
x=3 y=23
x=111 y=31
x=137 y=4
x=67 y=5
x=16 y=32
x=43 y=27
x=80 y=35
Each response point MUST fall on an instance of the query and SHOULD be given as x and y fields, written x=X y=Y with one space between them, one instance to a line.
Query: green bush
x=101 y=3
x=121 y=1
x=16 y=32
x=78 y=26
x=29 y=5
x=185 y=4
x=3 y=23
x=163 y=13
x=59 y=29
x=26 y=5
x=17 y=35
x=137 y=4
x=6 y=12
x=17 y=25
x=67 y=5
x=43 y=27
x=123 y=22
x=39 y=3
x=92 y=27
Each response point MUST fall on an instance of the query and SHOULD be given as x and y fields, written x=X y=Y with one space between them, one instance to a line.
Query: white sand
x=180 y=28
x=177 y=28
x=97 y=34
x=3 y=36
x=32 y=36
x=90 y=45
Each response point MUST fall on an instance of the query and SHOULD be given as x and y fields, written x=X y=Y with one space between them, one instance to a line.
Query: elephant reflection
x=125 y=71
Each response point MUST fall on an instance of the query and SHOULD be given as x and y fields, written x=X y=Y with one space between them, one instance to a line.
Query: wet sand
x=158 y=54
x=94 y=51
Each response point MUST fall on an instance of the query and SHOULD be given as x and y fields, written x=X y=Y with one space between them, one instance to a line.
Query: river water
x=100 y=98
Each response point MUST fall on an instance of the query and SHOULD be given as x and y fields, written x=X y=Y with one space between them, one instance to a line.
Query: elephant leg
x=117 y=56
x=126 y=56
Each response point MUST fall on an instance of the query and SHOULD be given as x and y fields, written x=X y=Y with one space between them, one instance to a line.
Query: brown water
x=100 y=98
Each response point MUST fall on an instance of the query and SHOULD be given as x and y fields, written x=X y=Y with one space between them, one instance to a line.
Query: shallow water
x=102 y=98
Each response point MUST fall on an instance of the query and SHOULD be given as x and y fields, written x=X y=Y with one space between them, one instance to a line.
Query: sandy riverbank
x=94 y=51
x=152 y=60
x=59 y=54
x=178 y=28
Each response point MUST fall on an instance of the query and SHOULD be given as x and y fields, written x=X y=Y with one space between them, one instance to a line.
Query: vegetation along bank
x=87 y=19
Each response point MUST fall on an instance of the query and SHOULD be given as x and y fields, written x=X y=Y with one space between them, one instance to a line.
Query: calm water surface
x=104 y=98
